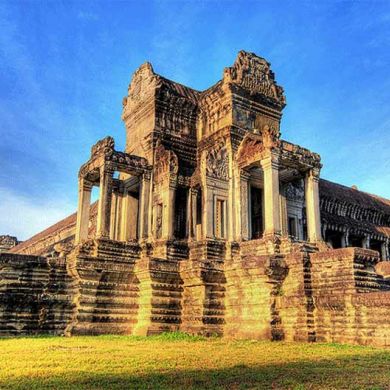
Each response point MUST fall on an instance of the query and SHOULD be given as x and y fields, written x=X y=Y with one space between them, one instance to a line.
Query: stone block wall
x=36 y=295
x=351 y=302
x=106 y=287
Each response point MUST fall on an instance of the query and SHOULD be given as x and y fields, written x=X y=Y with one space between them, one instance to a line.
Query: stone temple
x=208 y=223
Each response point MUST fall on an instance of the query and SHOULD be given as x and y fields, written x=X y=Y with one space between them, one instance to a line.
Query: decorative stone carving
x=269 y=130
x=63 y=248
x=299 y=156
x=147 y=259
x=295 y=191
x=166 y=161
x=217 y=162
x=250 y=150
x=7 y=242
x=103 y=147
x=142 y=82
x=254 y=74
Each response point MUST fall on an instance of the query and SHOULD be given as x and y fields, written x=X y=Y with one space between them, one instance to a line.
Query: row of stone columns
x=104 y=217
x=272 y=219
x=366 y=244
x=270 y=166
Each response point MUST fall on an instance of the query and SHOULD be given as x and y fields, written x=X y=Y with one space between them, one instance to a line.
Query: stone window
x=292 y=226
x=220 y=218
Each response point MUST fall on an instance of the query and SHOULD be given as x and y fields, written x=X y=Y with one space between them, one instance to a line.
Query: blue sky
x=65 y=67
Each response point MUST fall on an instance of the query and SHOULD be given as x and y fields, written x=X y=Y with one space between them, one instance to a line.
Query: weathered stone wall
x=204 y=288
x=35 y=295
x=160 y=294
x=107 y=287
x=295 y=301
x=351 y=302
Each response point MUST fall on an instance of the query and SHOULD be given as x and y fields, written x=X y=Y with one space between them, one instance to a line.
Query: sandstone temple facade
x=207 y=223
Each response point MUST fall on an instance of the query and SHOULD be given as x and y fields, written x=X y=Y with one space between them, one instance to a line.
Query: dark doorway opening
x=334 y=238
x=181 y=213
x=356 y=241
x=256 y=212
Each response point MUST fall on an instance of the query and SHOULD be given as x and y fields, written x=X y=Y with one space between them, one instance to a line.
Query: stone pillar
x=270 y=166
x=114 y=216
x=385 y=250
x=104 y=206
x=143 y=214
x=313 y=206
x=345 y=239
x=192 y=201
x=244 y=205
x=171 y=211
x=283 y=215
x=85 y=189
x=168 y=213
x=207 y=211
x=366 y=242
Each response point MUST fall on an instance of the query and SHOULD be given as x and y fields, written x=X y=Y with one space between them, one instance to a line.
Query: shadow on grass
x=352 y=372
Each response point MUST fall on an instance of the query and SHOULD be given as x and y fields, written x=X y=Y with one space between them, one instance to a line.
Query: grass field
x=178 y=361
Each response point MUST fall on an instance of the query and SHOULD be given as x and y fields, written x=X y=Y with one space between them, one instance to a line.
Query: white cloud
x=23 y=217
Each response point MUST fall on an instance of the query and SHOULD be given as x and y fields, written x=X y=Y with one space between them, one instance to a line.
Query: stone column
x=168 y=213
x=283 y=214
x=192 y=201
x=366 y=242
x=345 y=239
x=114 y=216
x=313 y=206
x=143 y=214
x=385 y=250
x=85 y=189
x=171 y=211
x=244 y=205
x=104 y=206
x=270 y=166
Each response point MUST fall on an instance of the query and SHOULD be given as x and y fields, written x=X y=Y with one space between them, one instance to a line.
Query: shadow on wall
x=352 y=371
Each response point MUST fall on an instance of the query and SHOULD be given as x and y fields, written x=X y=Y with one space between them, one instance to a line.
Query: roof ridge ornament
x=254 y=74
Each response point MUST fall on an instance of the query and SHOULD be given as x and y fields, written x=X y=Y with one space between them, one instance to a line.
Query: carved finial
x=254 y=74
x=104 y=146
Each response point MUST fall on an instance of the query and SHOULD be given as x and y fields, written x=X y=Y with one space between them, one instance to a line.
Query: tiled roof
x=352 y=195
x=68 y=223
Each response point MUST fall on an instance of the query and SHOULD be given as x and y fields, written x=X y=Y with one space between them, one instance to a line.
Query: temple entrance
x=334 y=238
x=256 y=208
x=180 y=231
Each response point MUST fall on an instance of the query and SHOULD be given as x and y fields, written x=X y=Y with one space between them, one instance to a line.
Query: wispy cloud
x=23 y=217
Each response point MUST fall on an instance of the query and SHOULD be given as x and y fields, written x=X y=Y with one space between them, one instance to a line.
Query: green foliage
x=181 y=361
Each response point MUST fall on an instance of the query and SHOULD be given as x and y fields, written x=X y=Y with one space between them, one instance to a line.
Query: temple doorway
x=256 y=208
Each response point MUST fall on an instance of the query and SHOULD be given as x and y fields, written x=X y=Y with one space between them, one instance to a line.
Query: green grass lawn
x=178 y=361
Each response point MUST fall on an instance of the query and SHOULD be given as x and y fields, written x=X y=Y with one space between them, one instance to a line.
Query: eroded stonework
x=215 y=225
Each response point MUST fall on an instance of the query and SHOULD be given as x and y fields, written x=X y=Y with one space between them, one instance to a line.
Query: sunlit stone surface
x=215 y=225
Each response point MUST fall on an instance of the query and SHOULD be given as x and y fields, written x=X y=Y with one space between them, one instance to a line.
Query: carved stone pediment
x=254 y=74
x=166 y=162
x=295 y=191
x=217 y=162
x=103 y=147
x=254 y=146
x=143 y=81
x=103 y=154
